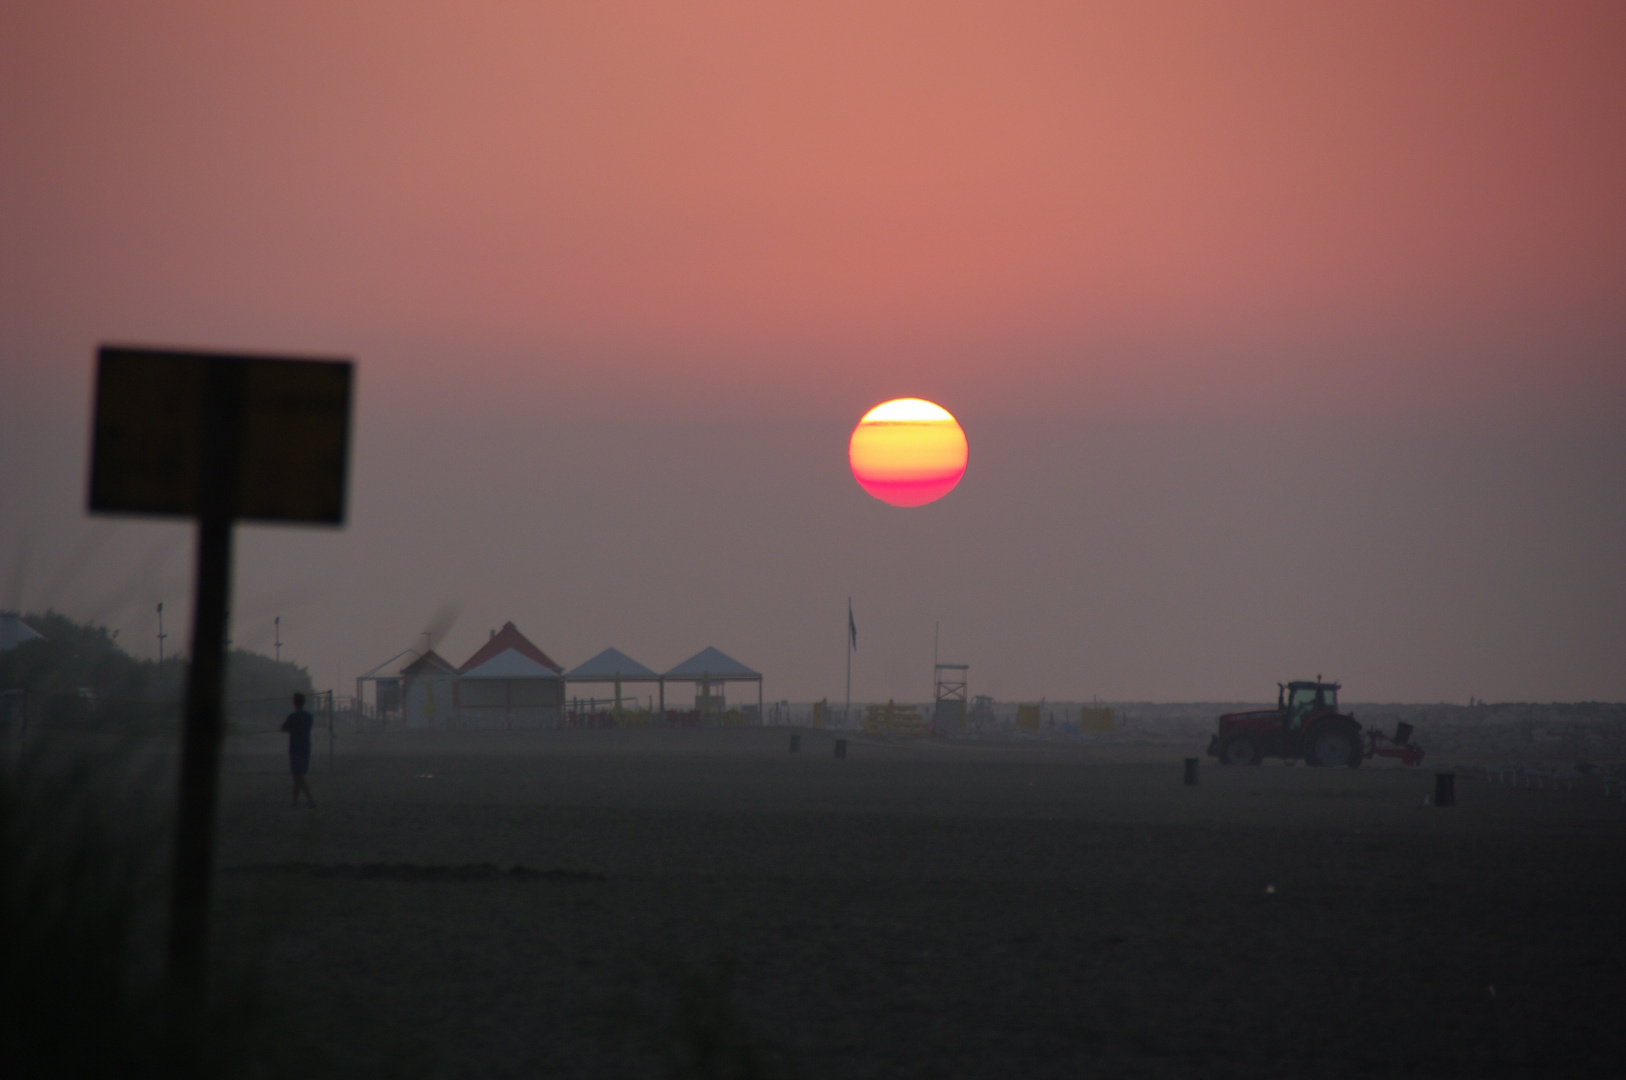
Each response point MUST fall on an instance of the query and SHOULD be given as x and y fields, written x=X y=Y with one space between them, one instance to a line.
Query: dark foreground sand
x=702 y=903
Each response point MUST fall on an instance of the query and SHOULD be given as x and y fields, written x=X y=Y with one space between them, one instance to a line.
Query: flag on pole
x=852 y=628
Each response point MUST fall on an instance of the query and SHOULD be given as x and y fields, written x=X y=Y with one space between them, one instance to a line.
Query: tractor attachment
x=1397 y=746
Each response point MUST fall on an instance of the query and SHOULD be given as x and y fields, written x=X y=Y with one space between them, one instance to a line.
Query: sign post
x=219 y=438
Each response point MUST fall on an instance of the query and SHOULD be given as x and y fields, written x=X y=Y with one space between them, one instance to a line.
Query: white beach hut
x=427 y=690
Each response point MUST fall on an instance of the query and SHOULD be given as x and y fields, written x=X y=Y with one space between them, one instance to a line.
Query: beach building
x=509 y=682
x=417 y=694
x=427 y=691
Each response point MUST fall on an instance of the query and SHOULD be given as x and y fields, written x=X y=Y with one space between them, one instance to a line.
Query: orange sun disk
x=907 y=452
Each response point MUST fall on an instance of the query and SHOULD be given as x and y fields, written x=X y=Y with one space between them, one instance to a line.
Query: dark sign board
x=284 y=424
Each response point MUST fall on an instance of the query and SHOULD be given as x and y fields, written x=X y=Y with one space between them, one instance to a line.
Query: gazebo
x=611 y=666
x=706 y=668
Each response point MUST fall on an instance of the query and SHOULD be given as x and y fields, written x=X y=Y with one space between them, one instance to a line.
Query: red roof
x=503 y=640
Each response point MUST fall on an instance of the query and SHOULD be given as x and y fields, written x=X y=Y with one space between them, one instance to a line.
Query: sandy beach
x=692 y=903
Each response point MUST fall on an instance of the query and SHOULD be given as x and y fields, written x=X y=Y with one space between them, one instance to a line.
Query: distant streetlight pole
x=161 y=634
x=936 y=633
x=852 y=643
x=276 y=623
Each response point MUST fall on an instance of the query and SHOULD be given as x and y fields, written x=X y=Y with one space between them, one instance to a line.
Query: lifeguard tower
x=948 y=699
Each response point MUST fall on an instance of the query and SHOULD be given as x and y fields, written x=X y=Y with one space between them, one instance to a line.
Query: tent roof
x=607 y=665
x=712 y=663
x=503 y=640
x=510 y=664
x=430 y=662
x=13 y=632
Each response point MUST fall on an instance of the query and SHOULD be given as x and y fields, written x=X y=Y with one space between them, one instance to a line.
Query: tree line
x=76 y=674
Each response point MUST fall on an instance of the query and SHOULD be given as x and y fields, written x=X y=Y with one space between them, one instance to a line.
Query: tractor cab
x=1298 y=701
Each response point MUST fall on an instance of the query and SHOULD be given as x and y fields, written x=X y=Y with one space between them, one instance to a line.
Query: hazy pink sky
x=1122 y=203
x=1044 y=216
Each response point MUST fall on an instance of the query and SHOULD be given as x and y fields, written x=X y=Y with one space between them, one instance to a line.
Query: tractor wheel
x=1332 y=747
x=1239 y=750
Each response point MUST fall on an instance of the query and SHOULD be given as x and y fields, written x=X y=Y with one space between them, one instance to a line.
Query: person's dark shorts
x=299 y=764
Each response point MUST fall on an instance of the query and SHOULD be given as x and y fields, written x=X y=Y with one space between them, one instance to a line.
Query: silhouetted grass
x=83 y=845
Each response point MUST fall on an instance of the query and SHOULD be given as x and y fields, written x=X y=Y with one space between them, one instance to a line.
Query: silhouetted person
x=298 y=727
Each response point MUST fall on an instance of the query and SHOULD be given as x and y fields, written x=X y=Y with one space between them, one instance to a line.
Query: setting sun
x=907 y=452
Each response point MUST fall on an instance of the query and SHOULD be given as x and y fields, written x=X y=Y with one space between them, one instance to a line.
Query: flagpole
x=936 y=626
x=847 y=709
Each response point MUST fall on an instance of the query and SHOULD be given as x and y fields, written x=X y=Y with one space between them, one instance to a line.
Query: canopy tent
x=711 y=665
x=386 y=688
x=610 y=666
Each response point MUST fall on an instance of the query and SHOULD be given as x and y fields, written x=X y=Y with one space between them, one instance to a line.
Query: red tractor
x=1306 y=724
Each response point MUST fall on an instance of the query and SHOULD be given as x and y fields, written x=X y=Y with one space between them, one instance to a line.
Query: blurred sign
x=283 y=425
